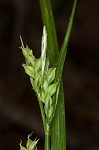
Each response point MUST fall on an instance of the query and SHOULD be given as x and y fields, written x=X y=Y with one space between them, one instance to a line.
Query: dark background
x=19 y=110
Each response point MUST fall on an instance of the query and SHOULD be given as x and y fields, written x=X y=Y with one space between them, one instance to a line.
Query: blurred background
x=19 y=110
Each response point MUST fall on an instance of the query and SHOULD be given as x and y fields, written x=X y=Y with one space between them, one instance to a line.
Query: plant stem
x=58 y=134
x=42 y=114
x=47 y=137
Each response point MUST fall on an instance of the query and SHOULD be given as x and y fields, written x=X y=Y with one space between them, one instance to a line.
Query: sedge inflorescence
x=30 y=145
x=42 y=77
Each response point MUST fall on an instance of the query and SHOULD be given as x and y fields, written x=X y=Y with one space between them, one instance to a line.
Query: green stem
x=42 y=114
x=58 y=134
x=47 y=137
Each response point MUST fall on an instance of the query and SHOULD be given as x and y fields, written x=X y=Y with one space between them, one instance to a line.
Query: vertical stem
x=42 y=114
x=58 y=134
x=47 y=137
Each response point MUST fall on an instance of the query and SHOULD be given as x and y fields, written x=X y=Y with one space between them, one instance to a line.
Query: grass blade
x=59 y=120
x=63 y=51
x=48 y=21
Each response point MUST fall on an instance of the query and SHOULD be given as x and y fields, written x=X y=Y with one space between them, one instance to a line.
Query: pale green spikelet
x=41 y=76
x=30 y=145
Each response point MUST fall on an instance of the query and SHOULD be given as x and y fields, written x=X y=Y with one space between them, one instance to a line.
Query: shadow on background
x=19 y=110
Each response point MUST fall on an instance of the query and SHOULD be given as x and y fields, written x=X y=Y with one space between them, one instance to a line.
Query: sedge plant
x=45 y=75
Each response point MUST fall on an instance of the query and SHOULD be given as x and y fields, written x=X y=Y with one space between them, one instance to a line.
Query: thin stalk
x=58 y=134
x=42 y=114
x=47 y=138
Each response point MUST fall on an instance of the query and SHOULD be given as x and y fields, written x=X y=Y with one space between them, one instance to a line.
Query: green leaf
x=48 y=21
x=29 y=70
x=59 y=126
x=63 y=51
